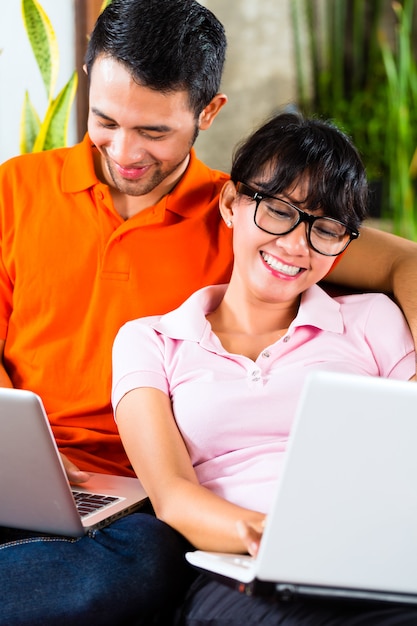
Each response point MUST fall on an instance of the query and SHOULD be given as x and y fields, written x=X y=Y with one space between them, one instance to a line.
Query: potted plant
x=51 y=132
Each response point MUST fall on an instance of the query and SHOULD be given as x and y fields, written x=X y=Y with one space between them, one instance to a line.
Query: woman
x=204 y=396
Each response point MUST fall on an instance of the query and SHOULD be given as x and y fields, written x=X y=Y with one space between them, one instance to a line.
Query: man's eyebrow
x=101 y=114
x=160 y=128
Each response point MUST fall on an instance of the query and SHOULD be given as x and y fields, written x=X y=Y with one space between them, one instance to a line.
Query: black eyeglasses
x=279 y=217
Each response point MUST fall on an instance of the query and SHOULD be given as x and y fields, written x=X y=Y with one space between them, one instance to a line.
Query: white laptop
x=344 y=520
x=34 y=490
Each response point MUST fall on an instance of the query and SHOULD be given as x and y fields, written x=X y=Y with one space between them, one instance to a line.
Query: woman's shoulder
x=369 y=305
x=136 y=328
x=363 y=300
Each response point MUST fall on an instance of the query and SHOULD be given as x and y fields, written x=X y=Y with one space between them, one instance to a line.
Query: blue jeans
x=131 y=573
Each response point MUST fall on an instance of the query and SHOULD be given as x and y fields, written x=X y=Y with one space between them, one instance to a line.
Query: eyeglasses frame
x=257 y=197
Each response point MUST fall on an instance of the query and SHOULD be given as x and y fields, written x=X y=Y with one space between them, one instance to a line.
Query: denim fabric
x=210 y=603
x=130 y=573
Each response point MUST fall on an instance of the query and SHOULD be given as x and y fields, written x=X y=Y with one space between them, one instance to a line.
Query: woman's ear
x=209 y=112
x=226 y=200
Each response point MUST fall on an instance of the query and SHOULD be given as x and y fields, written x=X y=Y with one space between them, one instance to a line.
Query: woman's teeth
x=290 y=270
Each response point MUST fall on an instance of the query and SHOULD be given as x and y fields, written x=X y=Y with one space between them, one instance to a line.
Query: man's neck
x=127 y=205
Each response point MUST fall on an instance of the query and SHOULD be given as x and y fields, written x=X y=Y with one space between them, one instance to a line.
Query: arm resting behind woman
x=380 y=261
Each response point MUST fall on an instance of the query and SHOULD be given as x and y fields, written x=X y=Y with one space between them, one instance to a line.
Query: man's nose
x=126 y=148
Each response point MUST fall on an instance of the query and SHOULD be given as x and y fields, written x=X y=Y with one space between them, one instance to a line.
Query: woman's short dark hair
x=289 y=148
x=167 y=45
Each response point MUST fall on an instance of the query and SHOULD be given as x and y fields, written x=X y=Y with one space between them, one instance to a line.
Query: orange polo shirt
x=72 y=271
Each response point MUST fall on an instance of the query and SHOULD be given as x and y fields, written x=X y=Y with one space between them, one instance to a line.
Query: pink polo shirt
x=235 y=414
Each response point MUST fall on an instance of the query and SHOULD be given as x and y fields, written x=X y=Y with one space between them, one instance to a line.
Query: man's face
x=143 y=136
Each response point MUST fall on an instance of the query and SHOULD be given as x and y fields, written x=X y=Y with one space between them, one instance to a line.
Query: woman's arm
x=380 y=261
x=160 y=459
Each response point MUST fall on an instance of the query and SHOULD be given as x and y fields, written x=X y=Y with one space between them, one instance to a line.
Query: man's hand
x=74 y=474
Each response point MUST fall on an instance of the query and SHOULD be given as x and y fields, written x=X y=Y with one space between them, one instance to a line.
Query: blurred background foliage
x=355 y=63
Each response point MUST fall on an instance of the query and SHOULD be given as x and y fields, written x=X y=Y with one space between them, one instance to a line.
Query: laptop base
x=289 y=592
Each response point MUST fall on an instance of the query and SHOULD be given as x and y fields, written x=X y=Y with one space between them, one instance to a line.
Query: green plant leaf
x=54 y=128
x=413 y=166
x=43 y=41
x=29 y=125
x=105 y=3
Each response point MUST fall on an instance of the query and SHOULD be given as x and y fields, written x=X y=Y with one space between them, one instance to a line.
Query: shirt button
x=256 y=376
x=286 y=338
x=266 y=354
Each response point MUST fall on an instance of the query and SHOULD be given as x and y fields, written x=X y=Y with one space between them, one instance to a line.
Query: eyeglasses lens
x=326 y=235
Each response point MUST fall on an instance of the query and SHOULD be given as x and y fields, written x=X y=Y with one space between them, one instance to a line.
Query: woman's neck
x=247 y=327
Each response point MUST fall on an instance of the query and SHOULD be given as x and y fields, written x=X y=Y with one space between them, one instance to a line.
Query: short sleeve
x=137 y=360
x=390 y=339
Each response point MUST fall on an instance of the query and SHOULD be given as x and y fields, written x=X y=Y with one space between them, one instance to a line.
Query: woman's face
x=274 y=268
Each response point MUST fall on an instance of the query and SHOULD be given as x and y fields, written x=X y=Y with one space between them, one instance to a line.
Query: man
x=123 y=225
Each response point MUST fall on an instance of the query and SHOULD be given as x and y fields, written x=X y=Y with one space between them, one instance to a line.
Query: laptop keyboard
x=90 y=502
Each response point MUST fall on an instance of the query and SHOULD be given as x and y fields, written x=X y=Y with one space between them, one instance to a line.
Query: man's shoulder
x=67 y=164
x=199 y=187
x=199 y=170
x=32 y=161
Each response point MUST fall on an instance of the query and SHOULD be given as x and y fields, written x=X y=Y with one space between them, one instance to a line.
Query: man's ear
x=226 y=200
x=208 y=114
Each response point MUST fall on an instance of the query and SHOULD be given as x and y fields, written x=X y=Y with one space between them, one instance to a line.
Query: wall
x=259 y=76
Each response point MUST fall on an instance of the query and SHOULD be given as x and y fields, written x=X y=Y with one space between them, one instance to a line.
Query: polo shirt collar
x=188 y=321
x=320 y=310
x=78 y=174
x=195 y=188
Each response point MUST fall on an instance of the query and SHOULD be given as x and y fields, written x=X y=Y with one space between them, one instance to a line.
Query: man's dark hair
x=166 y=45
x=289 y=148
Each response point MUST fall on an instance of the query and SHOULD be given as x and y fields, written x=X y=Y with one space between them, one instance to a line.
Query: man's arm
x=4 y=377
x=380 y=261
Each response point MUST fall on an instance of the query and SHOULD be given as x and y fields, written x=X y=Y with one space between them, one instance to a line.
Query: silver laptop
x=344 y=520
x=34 y=490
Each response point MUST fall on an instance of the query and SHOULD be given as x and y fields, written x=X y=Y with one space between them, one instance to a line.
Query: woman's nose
x=295 y=241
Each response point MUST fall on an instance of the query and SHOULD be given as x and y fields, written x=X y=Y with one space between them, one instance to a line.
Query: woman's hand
x=251 y=534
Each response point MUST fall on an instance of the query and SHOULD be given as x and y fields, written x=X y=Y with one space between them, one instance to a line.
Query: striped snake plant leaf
x=43 y=41
x=29 y=125
x=104 y=4
x=54 y=128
